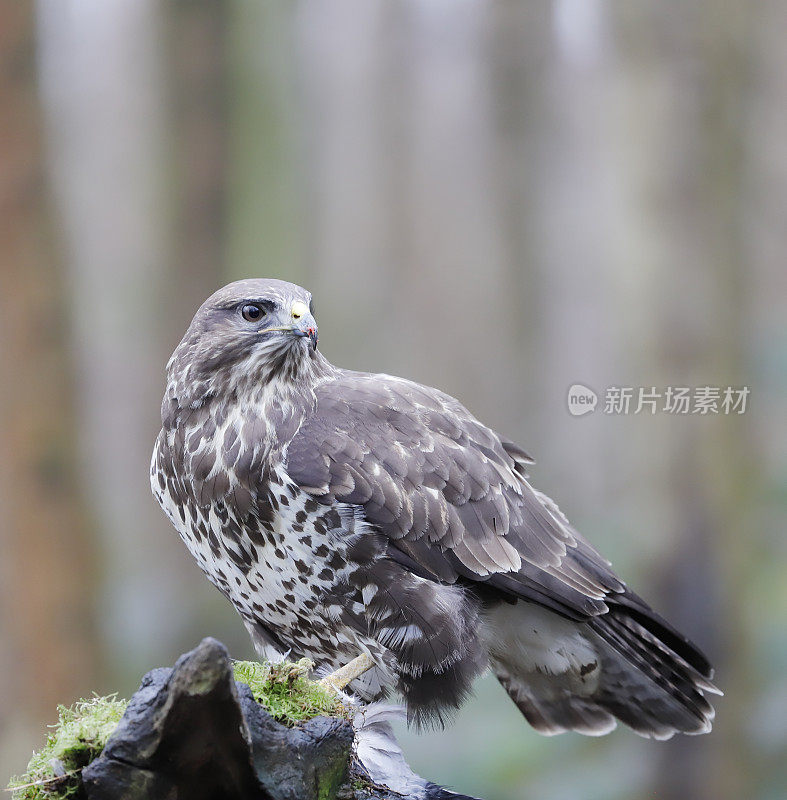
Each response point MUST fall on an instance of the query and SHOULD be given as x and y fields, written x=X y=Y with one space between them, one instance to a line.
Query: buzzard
x=346 y=513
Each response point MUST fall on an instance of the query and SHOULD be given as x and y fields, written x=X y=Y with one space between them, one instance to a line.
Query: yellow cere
x=299 y=309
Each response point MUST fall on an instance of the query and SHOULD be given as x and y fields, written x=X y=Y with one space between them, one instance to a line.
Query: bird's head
x=246 y=334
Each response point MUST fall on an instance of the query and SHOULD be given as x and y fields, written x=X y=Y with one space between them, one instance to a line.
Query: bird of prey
x=346 y=513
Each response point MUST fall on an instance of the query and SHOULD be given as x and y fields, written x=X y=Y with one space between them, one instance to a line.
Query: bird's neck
x=282 y=398
x=288 y=383
x=274 y=410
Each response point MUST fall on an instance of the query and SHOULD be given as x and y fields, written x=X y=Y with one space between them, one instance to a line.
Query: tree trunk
x=132 y=285
x=47 y=644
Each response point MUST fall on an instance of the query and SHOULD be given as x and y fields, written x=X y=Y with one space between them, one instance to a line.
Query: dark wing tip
x=636 y=608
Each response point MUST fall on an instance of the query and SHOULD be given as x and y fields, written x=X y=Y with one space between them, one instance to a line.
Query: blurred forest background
x=497 y=198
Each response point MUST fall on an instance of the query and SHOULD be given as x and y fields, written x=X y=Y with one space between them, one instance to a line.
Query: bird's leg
x=349 y=672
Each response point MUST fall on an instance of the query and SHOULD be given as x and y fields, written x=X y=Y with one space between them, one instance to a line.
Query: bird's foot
x=339 y=679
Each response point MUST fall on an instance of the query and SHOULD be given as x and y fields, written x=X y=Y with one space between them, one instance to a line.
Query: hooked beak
x=304 y=327
x=304 y=324
x=297 y=330
x=310 y=331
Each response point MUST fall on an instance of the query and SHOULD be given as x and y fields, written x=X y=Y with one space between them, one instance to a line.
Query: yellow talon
x=339 y=679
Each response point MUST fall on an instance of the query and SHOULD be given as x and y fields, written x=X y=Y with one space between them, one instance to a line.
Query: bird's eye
x=252 y=312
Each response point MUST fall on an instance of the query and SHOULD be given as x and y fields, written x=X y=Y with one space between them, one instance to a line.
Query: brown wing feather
x=451 y=496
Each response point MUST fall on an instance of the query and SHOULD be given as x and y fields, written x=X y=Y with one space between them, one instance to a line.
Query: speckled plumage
x=343 y=512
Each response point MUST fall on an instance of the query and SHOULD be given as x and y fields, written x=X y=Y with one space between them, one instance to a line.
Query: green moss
x=83 y=729
x=329 y=781
x=359 y=783
x=286 y=692
x=78 y=737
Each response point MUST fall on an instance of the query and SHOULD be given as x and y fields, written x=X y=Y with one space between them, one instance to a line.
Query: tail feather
x=550 y=716
x=638 y=610
x=647 y=686
x=627 y=664
x=634 y=644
